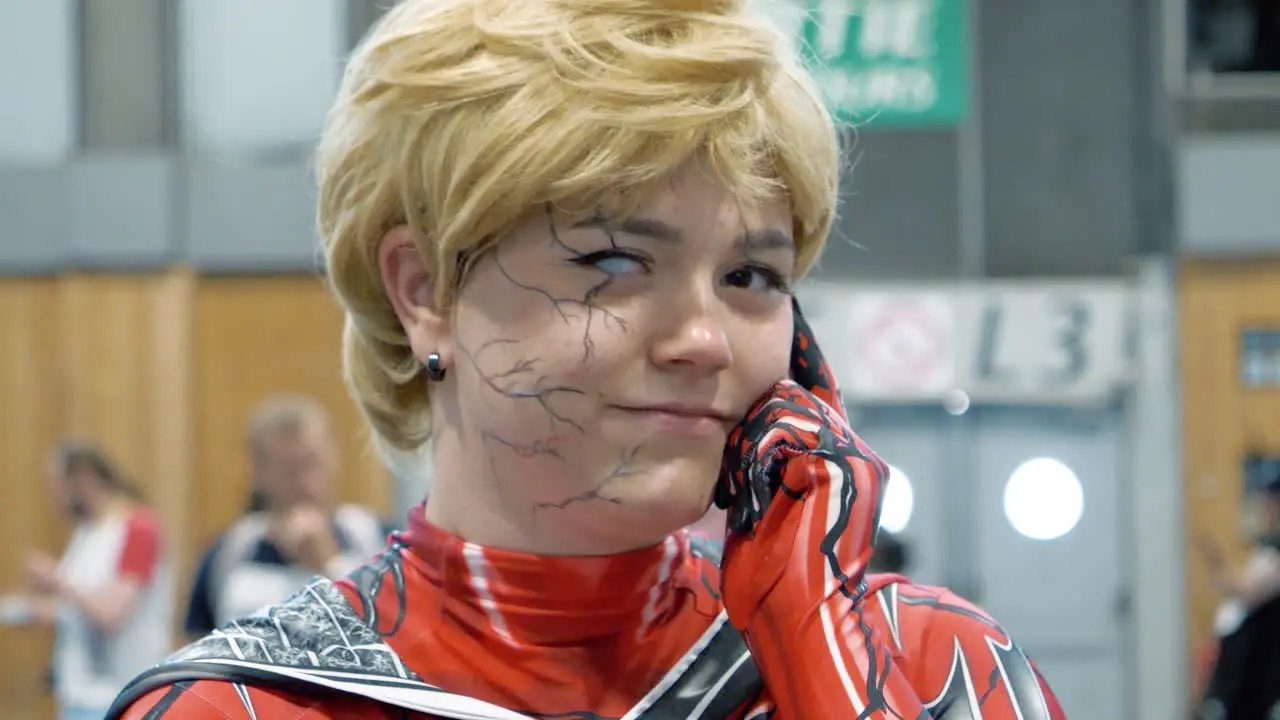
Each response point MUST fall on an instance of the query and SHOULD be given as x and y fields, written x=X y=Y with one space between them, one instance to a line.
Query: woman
x=108 y=597
x=565 y=232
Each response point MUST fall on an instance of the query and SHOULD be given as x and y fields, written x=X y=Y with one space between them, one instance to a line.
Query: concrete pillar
x=127 y=75
x=361 y=15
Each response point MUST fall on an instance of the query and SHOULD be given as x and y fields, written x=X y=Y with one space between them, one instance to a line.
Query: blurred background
x=1053 y=296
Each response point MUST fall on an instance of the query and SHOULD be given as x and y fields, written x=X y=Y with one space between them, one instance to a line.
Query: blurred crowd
x=111 y=597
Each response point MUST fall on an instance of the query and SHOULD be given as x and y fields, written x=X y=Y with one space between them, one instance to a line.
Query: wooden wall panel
x=127 y=356
x=30 y=419
x=1222 y=419
x=162 y=370
x=103 y=358
x=256 y=336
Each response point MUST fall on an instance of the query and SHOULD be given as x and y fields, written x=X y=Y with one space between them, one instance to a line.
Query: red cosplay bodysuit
x=787 y=626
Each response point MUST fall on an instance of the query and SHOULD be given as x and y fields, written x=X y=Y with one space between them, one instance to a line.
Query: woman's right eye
x=614 y=263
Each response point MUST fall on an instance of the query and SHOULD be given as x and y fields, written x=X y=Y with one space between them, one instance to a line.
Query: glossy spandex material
x=787 y=626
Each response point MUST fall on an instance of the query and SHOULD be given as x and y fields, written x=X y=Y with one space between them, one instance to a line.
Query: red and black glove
x=796 y=440
x=803 y=415
x=803 y=497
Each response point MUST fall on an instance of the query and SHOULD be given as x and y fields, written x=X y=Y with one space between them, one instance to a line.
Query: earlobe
x=410 y=290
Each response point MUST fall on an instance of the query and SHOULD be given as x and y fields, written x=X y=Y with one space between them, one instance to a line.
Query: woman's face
x=596 y=367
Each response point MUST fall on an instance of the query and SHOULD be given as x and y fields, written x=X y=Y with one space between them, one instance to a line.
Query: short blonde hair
x=457 y=117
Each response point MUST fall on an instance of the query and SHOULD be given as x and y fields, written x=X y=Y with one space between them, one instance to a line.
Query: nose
x=693 y=337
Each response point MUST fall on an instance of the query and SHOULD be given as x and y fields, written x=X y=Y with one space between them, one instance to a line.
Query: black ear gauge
x=435 y=373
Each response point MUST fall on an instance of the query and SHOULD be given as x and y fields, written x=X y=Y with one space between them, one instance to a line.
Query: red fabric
x=140 y=554
x=588 y=637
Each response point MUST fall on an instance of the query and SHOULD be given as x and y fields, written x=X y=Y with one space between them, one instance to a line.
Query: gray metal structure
x=1067 y=166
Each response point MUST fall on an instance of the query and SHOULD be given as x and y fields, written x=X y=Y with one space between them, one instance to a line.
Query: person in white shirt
x=109 y=597
x=294 y=530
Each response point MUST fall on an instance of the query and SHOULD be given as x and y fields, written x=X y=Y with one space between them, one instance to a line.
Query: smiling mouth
x=686 y=422
x=677 y=410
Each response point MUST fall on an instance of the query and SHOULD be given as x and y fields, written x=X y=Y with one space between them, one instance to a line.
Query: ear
x=412 y=293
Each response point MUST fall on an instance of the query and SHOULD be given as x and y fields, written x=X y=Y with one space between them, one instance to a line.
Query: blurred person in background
x=1245 y=680
x=294 y=529
x=109 y=598
x=565 y=236
x=1241 y=673
x=1258 y=579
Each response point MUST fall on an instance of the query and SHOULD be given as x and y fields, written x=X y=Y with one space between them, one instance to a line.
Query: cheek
x=532 y=339
x=522 y=377
x=764 y=357
x=527 y=354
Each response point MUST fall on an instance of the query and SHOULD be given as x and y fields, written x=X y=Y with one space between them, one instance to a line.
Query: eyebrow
x=655 y=229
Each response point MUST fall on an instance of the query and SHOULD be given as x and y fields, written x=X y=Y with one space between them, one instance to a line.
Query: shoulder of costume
x=314 y=641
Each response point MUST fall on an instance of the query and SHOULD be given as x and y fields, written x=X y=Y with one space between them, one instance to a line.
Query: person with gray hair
x=294 y=529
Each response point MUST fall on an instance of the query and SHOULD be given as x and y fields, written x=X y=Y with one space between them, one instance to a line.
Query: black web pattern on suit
x=962 y=698
x=316 y=629
x=370 y=580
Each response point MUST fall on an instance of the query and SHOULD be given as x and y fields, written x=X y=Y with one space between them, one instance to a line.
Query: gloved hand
x=800 y=415
x=803 y=496
x=794 y=443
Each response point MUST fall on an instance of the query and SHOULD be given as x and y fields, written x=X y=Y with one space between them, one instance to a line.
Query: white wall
x=38 y=80
x=258 y=75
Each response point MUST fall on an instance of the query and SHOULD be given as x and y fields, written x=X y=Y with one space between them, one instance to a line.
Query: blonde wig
x=458 y=117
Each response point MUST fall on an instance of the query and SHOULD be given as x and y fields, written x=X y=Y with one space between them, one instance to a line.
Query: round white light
x=956 y=402
x=1043 y=499
x=898 y=503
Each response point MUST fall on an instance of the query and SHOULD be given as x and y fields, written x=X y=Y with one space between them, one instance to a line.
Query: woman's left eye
x=757 y=278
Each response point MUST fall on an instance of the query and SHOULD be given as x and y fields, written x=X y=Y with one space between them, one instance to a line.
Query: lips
x=682 y=410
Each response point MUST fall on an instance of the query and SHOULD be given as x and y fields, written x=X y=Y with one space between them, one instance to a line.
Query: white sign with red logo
x=905 y=345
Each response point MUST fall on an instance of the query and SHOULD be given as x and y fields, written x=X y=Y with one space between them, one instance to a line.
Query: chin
x=674 y=494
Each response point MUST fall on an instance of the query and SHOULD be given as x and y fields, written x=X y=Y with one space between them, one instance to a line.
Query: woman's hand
x=42 y=574
x=794 y=443
x=803 y=498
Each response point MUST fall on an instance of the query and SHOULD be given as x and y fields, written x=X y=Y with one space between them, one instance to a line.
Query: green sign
x=884 y=63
